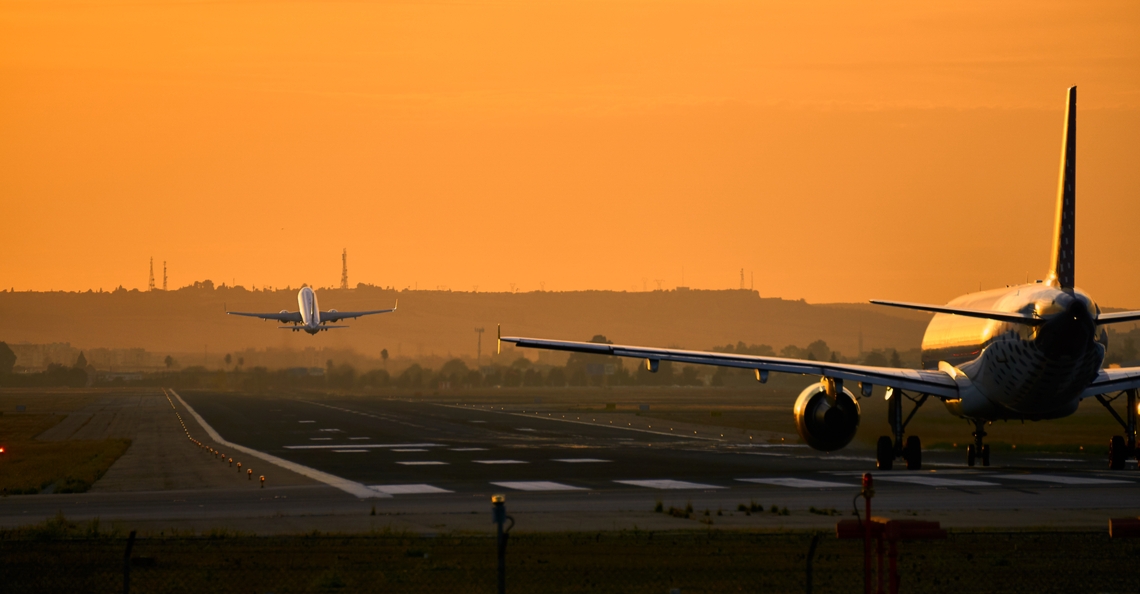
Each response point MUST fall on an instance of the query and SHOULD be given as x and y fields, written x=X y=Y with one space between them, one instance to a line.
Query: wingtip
x=498 y=339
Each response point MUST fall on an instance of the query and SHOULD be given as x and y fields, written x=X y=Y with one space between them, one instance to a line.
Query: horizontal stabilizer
x=1120 y=316
x=1001 y=316
x=301 y=328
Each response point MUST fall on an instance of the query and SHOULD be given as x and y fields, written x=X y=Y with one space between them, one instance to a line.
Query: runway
x=417 y=449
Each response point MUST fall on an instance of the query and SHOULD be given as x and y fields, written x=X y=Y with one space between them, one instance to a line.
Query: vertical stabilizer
x=1065 y=228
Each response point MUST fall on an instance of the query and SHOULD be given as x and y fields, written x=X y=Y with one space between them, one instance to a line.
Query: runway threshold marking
x=536 y=486
x=527 y=416
x=414 y=489
x=351 y=487
x=797 y=483
x=1064 y=480
x=668 y=484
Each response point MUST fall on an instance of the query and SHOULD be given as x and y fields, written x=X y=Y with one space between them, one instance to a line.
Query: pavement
x=434 y=466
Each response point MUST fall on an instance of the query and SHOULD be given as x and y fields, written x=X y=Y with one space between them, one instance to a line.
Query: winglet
x=397 y=306
x=1062 y=272
x=499 y=339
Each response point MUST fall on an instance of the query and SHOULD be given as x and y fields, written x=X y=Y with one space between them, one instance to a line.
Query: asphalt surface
x=439 y=463
x=421 y=448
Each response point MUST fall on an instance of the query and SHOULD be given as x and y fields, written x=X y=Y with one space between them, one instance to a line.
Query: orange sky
x=893 y=150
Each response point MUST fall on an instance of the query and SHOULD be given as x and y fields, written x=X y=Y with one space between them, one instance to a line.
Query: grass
x=606 y=562
x=29 y=466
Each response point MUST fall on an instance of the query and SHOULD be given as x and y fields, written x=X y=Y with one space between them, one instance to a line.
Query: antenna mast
x=150 y=281
x=164 y=275
x=344 y=269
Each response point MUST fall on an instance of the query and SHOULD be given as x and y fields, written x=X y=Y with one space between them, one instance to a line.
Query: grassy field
x=63 y=556
x=31 y=466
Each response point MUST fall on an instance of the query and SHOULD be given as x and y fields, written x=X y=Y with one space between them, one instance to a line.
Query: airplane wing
x=333 y=315
x=1003 y=316
x=1117 y=317
x=1116 y=379
x=285 y=316
x=935 y=383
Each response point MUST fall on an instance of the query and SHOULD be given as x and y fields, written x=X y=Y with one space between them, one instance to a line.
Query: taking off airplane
x=310 y=318
x=1027 y=352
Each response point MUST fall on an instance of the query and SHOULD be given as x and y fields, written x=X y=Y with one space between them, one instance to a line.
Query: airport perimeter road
x=419 y=450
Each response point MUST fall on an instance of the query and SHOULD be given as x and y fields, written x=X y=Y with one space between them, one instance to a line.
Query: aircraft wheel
x=971 y=455
x=1117 y=452
x=884 y=453
x=986 y=455
x=913 y=453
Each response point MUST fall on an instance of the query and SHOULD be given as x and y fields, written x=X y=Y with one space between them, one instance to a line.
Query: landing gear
x=1121 y=447
x=887 y=449
x=884 y=453
x=978 y=449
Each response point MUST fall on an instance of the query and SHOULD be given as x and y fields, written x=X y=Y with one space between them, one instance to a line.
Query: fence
x=625 y=562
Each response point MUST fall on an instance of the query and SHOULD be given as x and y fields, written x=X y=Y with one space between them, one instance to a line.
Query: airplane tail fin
x=1062 y=273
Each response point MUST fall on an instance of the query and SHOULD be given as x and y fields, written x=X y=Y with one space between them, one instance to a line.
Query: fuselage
x=310 y=310
x=1021 y=371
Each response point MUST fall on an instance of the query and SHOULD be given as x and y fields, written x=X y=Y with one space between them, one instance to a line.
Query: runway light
x=249 y=473
x=262 y=480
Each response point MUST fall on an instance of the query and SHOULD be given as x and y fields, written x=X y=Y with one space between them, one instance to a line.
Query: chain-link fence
x=625 y=562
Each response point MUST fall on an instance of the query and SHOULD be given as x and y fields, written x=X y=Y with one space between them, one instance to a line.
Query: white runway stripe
x=409 y=450
x=932 y=481
x=537 y=486
x=365 y=445
x=499 y=461
x=668 y=484
x=417 y=489
x=1063 y=480
x=351 y=451
x=796 y=482
x=359 y=438
x=306 y=421
x=422 y=463
x=579 y=460
x=469 y=449
x=320 y=439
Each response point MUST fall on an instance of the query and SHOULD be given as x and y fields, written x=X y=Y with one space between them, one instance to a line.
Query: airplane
x=310 y=318
x=1028 y=352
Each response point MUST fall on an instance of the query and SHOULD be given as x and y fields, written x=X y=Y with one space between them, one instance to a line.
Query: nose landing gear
x=887 y=450
x=978 y=450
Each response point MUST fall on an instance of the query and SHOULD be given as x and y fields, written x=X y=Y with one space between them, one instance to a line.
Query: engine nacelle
x=823 y=426
x=284 y=311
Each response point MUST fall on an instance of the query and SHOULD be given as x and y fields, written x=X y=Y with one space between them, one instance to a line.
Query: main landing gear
x=887 y=450
x=978 y=450
x=1122 y=447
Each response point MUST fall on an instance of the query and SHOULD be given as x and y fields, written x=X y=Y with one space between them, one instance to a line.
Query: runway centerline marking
x=536 y=486
x=413 y=489
x=500 y=461
x=422 y=463
x=668 y=484
x=932 y=481
x=409 y=450
x=541 y=418
x=469 y=449
x=796 y=483
x=320 y=439
x=1064 y=480
x=351 y=451
x=579 y=460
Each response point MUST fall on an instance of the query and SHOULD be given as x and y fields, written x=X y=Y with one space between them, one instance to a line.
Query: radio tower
x=344 y=269
x=741 y=279
x=164 y=275
x=150 y=283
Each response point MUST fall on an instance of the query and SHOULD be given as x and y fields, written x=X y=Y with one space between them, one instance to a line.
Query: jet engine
x=825 y=425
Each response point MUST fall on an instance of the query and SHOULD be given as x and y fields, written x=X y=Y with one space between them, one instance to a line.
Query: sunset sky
x=838 y=151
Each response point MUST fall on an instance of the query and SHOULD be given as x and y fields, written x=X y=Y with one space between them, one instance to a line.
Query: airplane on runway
x=1028 y=352
x=310 y=318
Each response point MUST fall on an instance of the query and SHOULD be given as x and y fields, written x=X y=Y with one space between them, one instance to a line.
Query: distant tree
x=896 y=361
x=454 y=367
x=170 y=362
x=384 y=357
x=241 y=361
x=81 y=361
x=834 y=357
x=820 y=349
x=229 y=358
x=875 y=359
x=556 y=377
x=7 y=358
